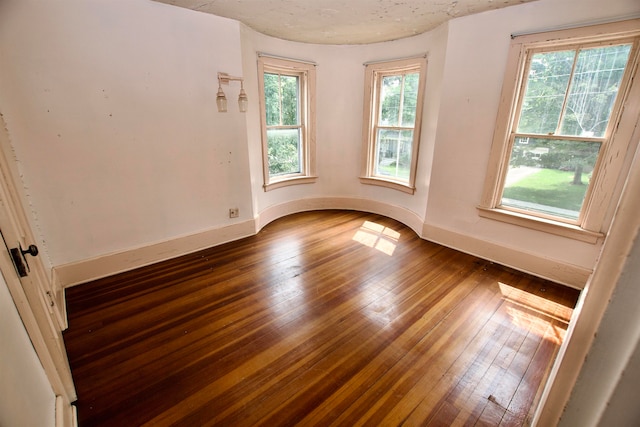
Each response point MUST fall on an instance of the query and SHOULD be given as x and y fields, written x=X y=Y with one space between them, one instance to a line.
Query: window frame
x=374 y=72
x=611 y=164
x=306 y=72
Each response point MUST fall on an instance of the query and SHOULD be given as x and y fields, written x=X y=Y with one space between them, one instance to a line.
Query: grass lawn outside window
x=547 y=190
x=565 y=130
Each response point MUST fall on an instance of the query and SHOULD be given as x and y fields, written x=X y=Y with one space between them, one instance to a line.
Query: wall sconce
x=221 y=99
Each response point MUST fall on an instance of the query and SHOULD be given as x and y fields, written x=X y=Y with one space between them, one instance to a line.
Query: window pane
x=393 y=153
x=289 y=100
x=272 y=98
x=593 y=91
x=390 y=89
x=545 y=92
x=410 y=99
x=281 y=95
x=284 y=151
x=549 y=176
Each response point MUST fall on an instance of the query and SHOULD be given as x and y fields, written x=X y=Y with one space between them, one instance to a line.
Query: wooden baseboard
x=570 y=275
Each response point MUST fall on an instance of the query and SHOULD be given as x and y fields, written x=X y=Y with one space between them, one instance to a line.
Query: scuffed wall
x=111 y=110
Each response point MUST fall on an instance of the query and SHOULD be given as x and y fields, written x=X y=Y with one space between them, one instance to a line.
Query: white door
x=39 y=305
x=27 y=396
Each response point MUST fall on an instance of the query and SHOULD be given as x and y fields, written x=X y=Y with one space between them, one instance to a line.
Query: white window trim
x=613 y=162
x=372 y=71
x=307 y=73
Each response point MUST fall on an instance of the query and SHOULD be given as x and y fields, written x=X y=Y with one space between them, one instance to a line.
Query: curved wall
x=339 y=117
x=465 y=72
x=124 y=160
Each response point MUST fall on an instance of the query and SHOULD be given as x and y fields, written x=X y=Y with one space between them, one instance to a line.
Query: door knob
x=31 y=250
x=17 y=254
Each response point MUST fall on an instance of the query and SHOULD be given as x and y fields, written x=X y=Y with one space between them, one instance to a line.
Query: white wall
x=606 y=392
x=27 y=398
x=467 y=58
x=340 y=87
x=111 y=109
x=473 y=75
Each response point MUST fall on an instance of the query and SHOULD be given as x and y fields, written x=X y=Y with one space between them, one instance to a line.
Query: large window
x=552 y=159
x=393 y=110
x=287 y=107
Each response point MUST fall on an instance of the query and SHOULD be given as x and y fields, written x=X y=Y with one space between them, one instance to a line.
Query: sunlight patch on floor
x=534 y=313
x=377 y=236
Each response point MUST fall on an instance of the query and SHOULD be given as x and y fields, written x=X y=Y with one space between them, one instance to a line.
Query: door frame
x=40 y=302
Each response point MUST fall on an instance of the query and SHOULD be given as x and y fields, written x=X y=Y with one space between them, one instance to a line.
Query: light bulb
x=243 y=101
x=221 y=101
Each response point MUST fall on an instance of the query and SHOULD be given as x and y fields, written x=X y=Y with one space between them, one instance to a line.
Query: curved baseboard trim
x=95 y=268
x=106 y=265
x=405 y=216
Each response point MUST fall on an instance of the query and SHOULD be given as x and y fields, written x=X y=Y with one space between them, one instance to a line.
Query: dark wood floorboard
x=324 y=318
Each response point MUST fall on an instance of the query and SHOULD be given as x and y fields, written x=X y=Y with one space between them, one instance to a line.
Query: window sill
x=541 y=224
x=285 y=182
x=406 y=188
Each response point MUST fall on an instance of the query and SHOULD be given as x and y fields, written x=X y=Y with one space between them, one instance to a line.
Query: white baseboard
x=66 y=414
x=405 y=216
x=86 y=270
x=95 y=268
x=570 y=275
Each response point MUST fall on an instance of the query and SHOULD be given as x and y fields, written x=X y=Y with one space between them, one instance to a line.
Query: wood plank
x=323 y=318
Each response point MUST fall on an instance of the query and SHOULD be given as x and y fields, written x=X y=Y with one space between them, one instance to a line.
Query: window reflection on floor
x=377 y=236
x=541 y=316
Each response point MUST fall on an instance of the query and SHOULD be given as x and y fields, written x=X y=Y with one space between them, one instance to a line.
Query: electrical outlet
x=234 y=213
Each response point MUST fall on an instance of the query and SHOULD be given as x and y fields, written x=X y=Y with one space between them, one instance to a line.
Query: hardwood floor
x=323 y=318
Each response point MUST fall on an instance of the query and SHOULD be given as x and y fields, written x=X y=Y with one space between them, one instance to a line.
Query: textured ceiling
x=342 y=21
